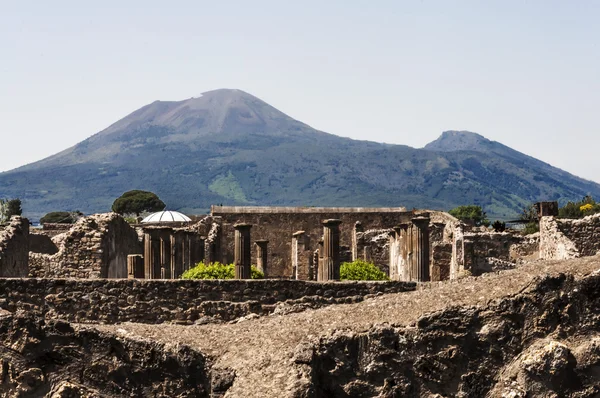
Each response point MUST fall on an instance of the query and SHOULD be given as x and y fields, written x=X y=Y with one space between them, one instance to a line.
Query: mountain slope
x=230 y=147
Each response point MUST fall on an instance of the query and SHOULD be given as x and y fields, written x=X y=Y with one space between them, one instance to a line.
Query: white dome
x=166 y=216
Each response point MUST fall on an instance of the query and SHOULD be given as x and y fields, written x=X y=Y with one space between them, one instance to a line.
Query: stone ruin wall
x=14 y=248
x=566 y=238
x=179 y=301
x=95 y=247
x=475 y=253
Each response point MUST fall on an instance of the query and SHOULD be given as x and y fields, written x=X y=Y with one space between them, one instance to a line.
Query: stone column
x=243 y=252
x=261 y=256
x=148 y=255
x=165 y=255
x=297 y=249
x=331 y=250
x=419 y=271
x=135 y=266
x=357 y=243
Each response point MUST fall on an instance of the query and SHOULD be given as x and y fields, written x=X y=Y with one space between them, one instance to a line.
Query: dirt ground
x=261 y=350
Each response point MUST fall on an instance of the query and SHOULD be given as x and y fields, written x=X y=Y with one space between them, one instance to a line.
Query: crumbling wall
x=441 y=258
x=95 y=247
x=566 y=238
x=181 y=301
x=474 y=253
x=14 y=248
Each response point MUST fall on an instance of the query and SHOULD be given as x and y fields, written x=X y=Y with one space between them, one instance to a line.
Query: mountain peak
x=453 y=140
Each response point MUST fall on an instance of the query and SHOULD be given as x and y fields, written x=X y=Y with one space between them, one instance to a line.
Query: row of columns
x=167 y=254
x=409 y=251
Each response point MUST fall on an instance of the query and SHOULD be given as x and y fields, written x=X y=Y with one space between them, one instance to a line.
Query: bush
x=61 y=217
x=585 y=207
x=361 y=271
x=531 y=228
x=471 y=213
x=217 y=271
x=499 y=226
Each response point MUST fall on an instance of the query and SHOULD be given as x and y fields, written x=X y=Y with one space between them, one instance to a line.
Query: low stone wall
x=181 y=301
x=565 y=238
x=14 y=248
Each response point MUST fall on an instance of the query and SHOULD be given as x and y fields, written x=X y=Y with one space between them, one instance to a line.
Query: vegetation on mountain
x=232 y=148
x=359 y=270
x=137 y=202
x=61 y=217
x=471 y=214
x=579 y=209
x=9 y=208
x=217 y=270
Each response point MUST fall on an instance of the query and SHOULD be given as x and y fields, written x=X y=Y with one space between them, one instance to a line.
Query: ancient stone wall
x=566 y=238
x=95 y=247
x=181 y=301
x=474 y=253
x=278 y=224
x=14 y=248
x=373 y=246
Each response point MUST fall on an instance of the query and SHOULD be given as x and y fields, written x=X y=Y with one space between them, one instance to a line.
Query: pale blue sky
x=525 y=73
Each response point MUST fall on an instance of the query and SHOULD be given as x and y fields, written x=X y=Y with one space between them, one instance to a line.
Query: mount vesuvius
x=230 y=147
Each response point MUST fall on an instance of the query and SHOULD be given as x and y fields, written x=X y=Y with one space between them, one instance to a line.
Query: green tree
x=136 y=202
x=9 y=208
x=471 y=214
x=359 y=270
x=61 y=217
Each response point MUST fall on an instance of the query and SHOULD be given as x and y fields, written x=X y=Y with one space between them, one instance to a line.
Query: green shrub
x=361 y=271
x=217 y=271
x=587 y=206
x=531 y=228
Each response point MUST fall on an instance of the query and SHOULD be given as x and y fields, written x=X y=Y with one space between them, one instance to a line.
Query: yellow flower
x=586 y=207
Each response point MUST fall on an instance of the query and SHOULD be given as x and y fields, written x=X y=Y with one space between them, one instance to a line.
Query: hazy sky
x=525 y=73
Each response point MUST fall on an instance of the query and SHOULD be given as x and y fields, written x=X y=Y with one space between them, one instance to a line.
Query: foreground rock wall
x=14 y=248
x=566 y=238
x=95 y=247
x=54 y=359
x=542 y=342
x=181 y=301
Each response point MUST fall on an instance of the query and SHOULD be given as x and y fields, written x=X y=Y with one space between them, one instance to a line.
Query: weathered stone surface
x=177 y=301
x=564 y=238
x=55 y=359
x=95 y=247
x=14 y=248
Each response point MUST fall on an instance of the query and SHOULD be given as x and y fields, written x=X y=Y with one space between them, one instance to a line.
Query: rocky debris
x=458 y=351
x=409 y=344
x=55 y=359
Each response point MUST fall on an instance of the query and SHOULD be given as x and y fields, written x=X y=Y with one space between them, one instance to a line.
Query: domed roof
x=166 y=216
